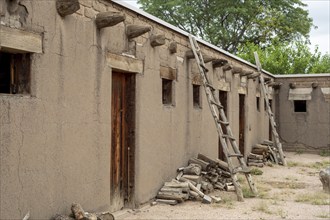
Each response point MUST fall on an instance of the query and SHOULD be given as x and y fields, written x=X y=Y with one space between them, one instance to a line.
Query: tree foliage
x=233 y=23
x=284 y=58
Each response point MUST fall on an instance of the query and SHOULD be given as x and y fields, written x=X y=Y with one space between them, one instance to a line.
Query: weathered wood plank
x=125 y=63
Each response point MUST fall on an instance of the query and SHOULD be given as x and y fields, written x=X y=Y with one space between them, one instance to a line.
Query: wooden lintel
x=236 y=70
x=19 y=41
x=219 y=63
x=124 y=63
x=157 y=40
x=108 y=19
x=253 y=76
x=208 y=58
x=246 y=73
x=65 y=7
x=274 y=84
x=133 y=31
x=227 y=67
x=168 y=73
x=173 y=47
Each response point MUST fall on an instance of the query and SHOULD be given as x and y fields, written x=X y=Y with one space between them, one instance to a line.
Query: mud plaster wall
x=304 y=131
x=55 y=143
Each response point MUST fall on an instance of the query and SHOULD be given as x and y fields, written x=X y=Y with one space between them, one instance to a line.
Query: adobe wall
x=55 y=143
x=304 y=131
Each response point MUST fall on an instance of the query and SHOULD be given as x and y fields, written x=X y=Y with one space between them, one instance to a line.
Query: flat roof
x=176 y=29
x=303 y=75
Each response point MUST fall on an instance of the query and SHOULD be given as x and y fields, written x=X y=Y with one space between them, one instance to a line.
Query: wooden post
x=67 y=7
x=173 y=47
x=157 y=40
x=219 y=63
x=133 y=31
x=108 y=19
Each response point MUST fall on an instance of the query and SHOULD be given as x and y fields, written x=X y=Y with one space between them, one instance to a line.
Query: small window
x=258 y=104
x=167 y=91
x=196 y=96
x=14 y=73
x=300 y=106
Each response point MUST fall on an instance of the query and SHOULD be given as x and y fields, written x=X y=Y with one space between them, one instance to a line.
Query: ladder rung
x=210 y=86
x=217 y=104
x=204 y=67
x=223 y=122
x=241 y=170
x=235 y=155
x=229 y=137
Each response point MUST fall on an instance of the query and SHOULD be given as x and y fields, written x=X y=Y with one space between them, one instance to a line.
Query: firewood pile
x=262 y=153
x=79 y=214
x=195 y=181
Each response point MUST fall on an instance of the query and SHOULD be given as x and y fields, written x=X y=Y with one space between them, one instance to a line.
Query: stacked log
x=201 y=176
x=261 y=153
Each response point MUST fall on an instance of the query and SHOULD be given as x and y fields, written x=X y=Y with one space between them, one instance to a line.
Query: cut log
x=172 y=190
x=219 y=186
x=77 y=211
x=194 y=194
x=193 y=168
x=255 y=161
x=253 y=76
x=255 y=156
x=173 y=47
x=180 y=197
x=108 y=19
x=133 y=31
x=230 y=188
x=222 y=164
x=176 y=184
x=195 y=178
x=212 y=163
x=236 y=70
x=65 y=7
x=219 y=63
x=206 y=199
x=182 y=179
x=180 y=174
x=204 y=165
x=166 y=201
x=246 y=73
x=157 y=40
x=256 y=164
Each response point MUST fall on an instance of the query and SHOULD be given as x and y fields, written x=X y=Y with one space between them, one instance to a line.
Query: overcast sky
x=319 y=10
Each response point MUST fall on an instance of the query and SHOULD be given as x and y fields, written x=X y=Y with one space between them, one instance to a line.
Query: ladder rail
x=269 y=111
x=219 y=115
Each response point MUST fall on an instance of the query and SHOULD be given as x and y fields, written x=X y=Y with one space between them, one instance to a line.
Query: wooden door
x=241 y=123
x=122 y=139
x=223 y=101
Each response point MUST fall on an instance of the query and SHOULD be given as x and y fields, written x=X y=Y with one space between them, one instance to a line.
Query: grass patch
x=314 y=199
x=325 y=153
x=262 y=207
x=247 y=193
x=287 y=185
x=256 y=171
x=293 y=164
x=319 y=165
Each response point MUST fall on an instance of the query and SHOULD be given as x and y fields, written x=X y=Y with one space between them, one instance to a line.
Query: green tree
x=284 y=58
x=232 y=23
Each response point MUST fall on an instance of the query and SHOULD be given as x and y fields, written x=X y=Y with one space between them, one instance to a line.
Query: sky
x=319 y=10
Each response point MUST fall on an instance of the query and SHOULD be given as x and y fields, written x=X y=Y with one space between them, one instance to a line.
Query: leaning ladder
x=221 y=119
x=277 y=142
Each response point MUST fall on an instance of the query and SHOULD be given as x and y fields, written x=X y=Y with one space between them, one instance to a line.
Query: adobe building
x=101 y=108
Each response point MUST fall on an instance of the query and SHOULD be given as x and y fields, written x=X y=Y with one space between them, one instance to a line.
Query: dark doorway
x=122 y=136
x=223 y=100
x=241 y=123
x=270 y=133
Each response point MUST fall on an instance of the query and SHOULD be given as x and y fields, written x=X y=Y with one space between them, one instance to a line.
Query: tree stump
x=325 y=179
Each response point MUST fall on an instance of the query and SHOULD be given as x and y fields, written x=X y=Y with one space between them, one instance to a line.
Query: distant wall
x=304 y=131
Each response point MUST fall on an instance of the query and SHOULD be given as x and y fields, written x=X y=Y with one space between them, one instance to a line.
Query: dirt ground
x=292 y=192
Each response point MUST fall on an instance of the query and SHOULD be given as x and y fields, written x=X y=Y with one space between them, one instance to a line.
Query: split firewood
x=219 y=185
x=259 y=149
x=222 y=164
x=193 y=169
x=169 y=189
x=212 y=163
x=180 y=174
x=255 y=156
x=195 y=178
x=194 y=194
x=176 y=184
x=206 y=198
x=182 y=179
x=180 y=197
x=256 y=164
x=77 y=211
x=203 y=164
x=230 y=187
x=166 y=201
x=255 y=161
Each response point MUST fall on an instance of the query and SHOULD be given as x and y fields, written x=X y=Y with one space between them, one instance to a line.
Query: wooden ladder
x=277 y=142
x=221 y=119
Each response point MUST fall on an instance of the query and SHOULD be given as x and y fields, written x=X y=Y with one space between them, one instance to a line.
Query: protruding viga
x=108 y=19
x=65 y=7
x=133 y=31
x=157 y=40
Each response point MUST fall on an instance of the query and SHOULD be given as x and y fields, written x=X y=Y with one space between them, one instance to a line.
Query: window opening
x=14 y=73
x=196 y=96
x=167 y=91
x=258 y=104
x=300 y=106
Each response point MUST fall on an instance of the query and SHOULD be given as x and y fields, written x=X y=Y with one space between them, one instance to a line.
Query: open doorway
x=241 y=123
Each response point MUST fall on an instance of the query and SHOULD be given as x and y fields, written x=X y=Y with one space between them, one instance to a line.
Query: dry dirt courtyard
x=292 y=192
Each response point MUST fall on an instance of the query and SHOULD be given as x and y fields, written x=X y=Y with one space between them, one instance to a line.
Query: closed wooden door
x=241 y=123
x=122 y=139
x=223 y=101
